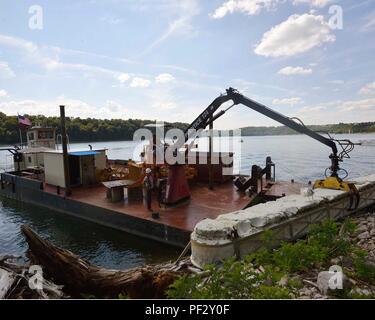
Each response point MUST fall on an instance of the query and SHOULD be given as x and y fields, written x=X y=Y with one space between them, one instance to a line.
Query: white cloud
x=313 y=3
x=288 y=101
x=298 y=34
x=48 y=58
x=87 y=71
x=321 y=113
x=74 y=108
x=357 y=105
x=6 y=72
x=253 y=7
x=29 y=50
x=338 y=111
x=18 y=43
x=138 y=82
x=123 y=77
x=311 y=109
x=3 y=93
x=287 y=71
x=164 y=78
x=249 y=7
x=368 y=89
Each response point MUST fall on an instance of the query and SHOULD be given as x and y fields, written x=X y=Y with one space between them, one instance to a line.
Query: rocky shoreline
x=310 y=284
x=364 y=238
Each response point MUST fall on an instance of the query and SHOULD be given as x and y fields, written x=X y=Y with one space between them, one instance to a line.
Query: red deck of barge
x=204 y=203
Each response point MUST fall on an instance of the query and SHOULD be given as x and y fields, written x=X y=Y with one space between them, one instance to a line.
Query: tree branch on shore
x=78 y=276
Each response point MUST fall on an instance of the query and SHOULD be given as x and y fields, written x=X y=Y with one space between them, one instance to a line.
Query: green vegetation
x=276 y=273
x=364 y=127
x=79 y=129
x=233 y=280
x=117 y=129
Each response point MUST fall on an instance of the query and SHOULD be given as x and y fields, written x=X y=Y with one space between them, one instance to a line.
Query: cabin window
x=45 y=135
x=29 y=159
x=31 y=136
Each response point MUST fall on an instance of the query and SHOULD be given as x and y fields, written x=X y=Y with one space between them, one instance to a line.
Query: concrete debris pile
x=239 y=233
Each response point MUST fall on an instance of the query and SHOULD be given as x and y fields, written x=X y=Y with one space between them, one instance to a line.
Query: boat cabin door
x=87 y=170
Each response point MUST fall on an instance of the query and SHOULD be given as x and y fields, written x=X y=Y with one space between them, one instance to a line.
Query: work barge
x=106 y=191
x=204 y=205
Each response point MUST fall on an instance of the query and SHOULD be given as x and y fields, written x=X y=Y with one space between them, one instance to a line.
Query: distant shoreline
x=104 y=130
x=248 y=135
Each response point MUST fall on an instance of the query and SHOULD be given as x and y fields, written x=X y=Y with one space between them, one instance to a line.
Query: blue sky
x=167 y=60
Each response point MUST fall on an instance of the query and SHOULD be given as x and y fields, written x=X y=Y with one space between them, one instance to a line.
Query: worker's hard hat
x=148 y=170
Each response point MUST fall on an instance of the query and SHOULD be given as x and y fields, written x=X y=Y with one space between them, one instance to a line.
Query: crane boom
x=203 y=119
x=208 y=116
x=240 y=99
x=331 y=182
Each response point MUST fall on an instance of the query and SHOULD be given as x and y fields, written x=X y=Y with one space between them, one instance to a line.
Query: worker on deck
x=148 y=185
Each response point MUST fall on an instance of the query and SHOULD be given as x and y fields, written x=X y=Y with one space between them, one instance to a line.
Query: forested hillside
x=79 y=129
x=117 y=129
x=364 y=127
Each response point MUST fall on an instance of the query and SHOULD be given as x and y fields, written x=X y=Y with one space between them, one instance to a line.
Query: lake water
x=297 y=157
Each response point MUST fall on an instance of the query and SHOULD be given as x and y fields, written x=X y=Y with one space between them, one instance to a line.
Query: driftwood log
x=15 y=282
x=80 y=278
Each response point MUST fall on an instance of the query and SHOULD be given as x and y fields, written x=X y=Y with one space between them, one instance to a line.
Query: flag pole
x=19 y=129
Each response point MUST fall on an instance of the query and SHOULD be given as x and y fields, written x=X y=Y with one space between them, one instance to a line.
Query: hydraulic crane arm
x=208 y=116
x=332 y=182
x=288 y=122
x=238 y=98
x=205 y=117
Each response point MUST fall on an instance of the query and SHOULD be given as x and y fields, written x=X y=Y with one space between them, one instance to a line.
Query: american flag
x=22 y=120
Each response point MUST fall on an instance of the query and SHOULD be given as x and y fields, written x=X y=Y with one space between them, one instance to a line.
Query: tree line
x=363 y=127
x=90 y=129
x=80 y=130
